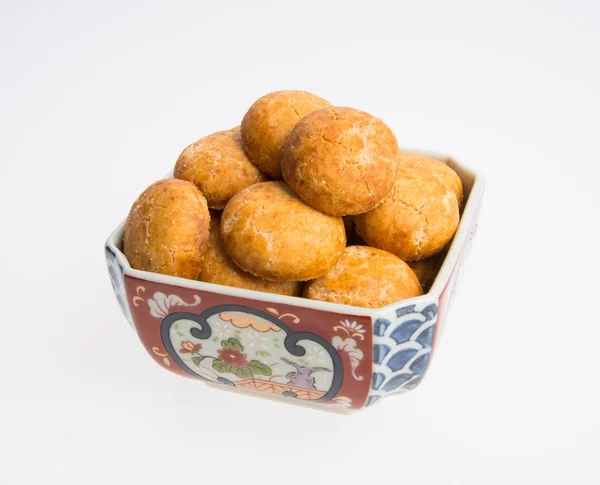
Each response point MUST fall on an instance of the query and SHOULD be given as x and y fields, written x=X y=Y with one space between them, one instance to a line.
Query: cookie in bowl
x=416 y=221
x=167 y=229
x=341 y=161
x=269 y=121
x=438 y=170
x=220 y=269
x=365 y=277
x=218 y=165
x=269 y=232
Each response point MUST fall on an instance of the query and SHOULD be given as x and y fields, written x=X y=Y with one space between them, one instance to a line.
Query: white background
x=97 y=99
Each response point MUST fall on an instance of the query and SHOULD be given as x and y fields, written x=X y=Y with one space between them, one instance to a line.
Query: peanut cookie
x=416 y=221
x=365 y=277
x=268 y=123
x=341 y=161
x=268 y=231
x=220 y=269
x=167 y=229
x=219 y=167
x=438 y=170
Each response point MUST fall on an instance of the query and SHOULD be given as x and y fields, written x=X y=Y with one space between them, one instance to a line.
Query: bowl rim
x=469 y=213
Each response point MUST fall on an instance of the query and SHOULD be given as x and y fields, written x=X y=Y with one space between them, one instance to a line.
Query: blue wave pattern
x=401 y=349
x=115 y=272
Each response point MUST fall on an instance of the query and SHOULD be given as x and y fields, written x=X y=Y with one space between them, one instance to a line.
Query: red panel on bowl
x=282 y=350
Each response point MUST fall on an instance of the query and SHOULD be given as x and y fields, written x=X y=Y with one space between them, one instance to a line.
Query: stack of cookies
x=304 y=198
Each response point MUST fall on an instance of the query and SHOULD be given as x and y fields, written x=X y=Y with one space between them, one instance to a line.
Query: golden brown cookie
x=219 y=167
x=415 y=222
x=218 y=268
x=167 y=229
x=268 y=231
x=439 y=170
x=341 y=161
x=268 y=123
x=365 y=277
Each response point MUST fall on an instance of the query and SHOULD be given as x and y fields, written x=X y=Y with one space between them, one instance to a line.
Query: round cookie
x=439 y=170
x=365 y=277
x=268 y=231
x=218 y=268
x=415 y=222
x=218 y=166
x=167 y=229
x=268 y=123
x=341 y=161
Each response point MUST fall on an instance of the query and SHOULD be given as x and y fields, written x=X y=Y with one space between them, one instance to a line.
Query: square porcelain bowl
x=336 y=357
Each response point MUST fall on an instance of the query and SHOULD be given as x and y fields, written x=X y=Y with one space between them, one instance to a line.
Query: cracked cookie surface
x=341 y=161
x=220 y=269
x=416 y=221
x=365 y=277
x=269 y=232
x=218 y=165
x=167 y=229
x=268 y=123
x=438 y=170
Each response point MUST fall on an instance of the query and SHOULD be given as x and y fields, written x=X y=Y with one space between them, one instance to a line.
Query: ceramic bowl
x=336 y=357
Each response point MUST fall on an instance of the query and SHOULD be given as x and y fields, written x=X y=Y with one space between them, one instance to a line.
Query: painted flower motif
x=233 y=360
x=350 y=347
x=188 y=347
x=160 y=303
x=351 y=329
x=221 y=330
x=315 y=355
x=255 y=340
x=341 y=402
x=233 y=357
x=353 y=326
